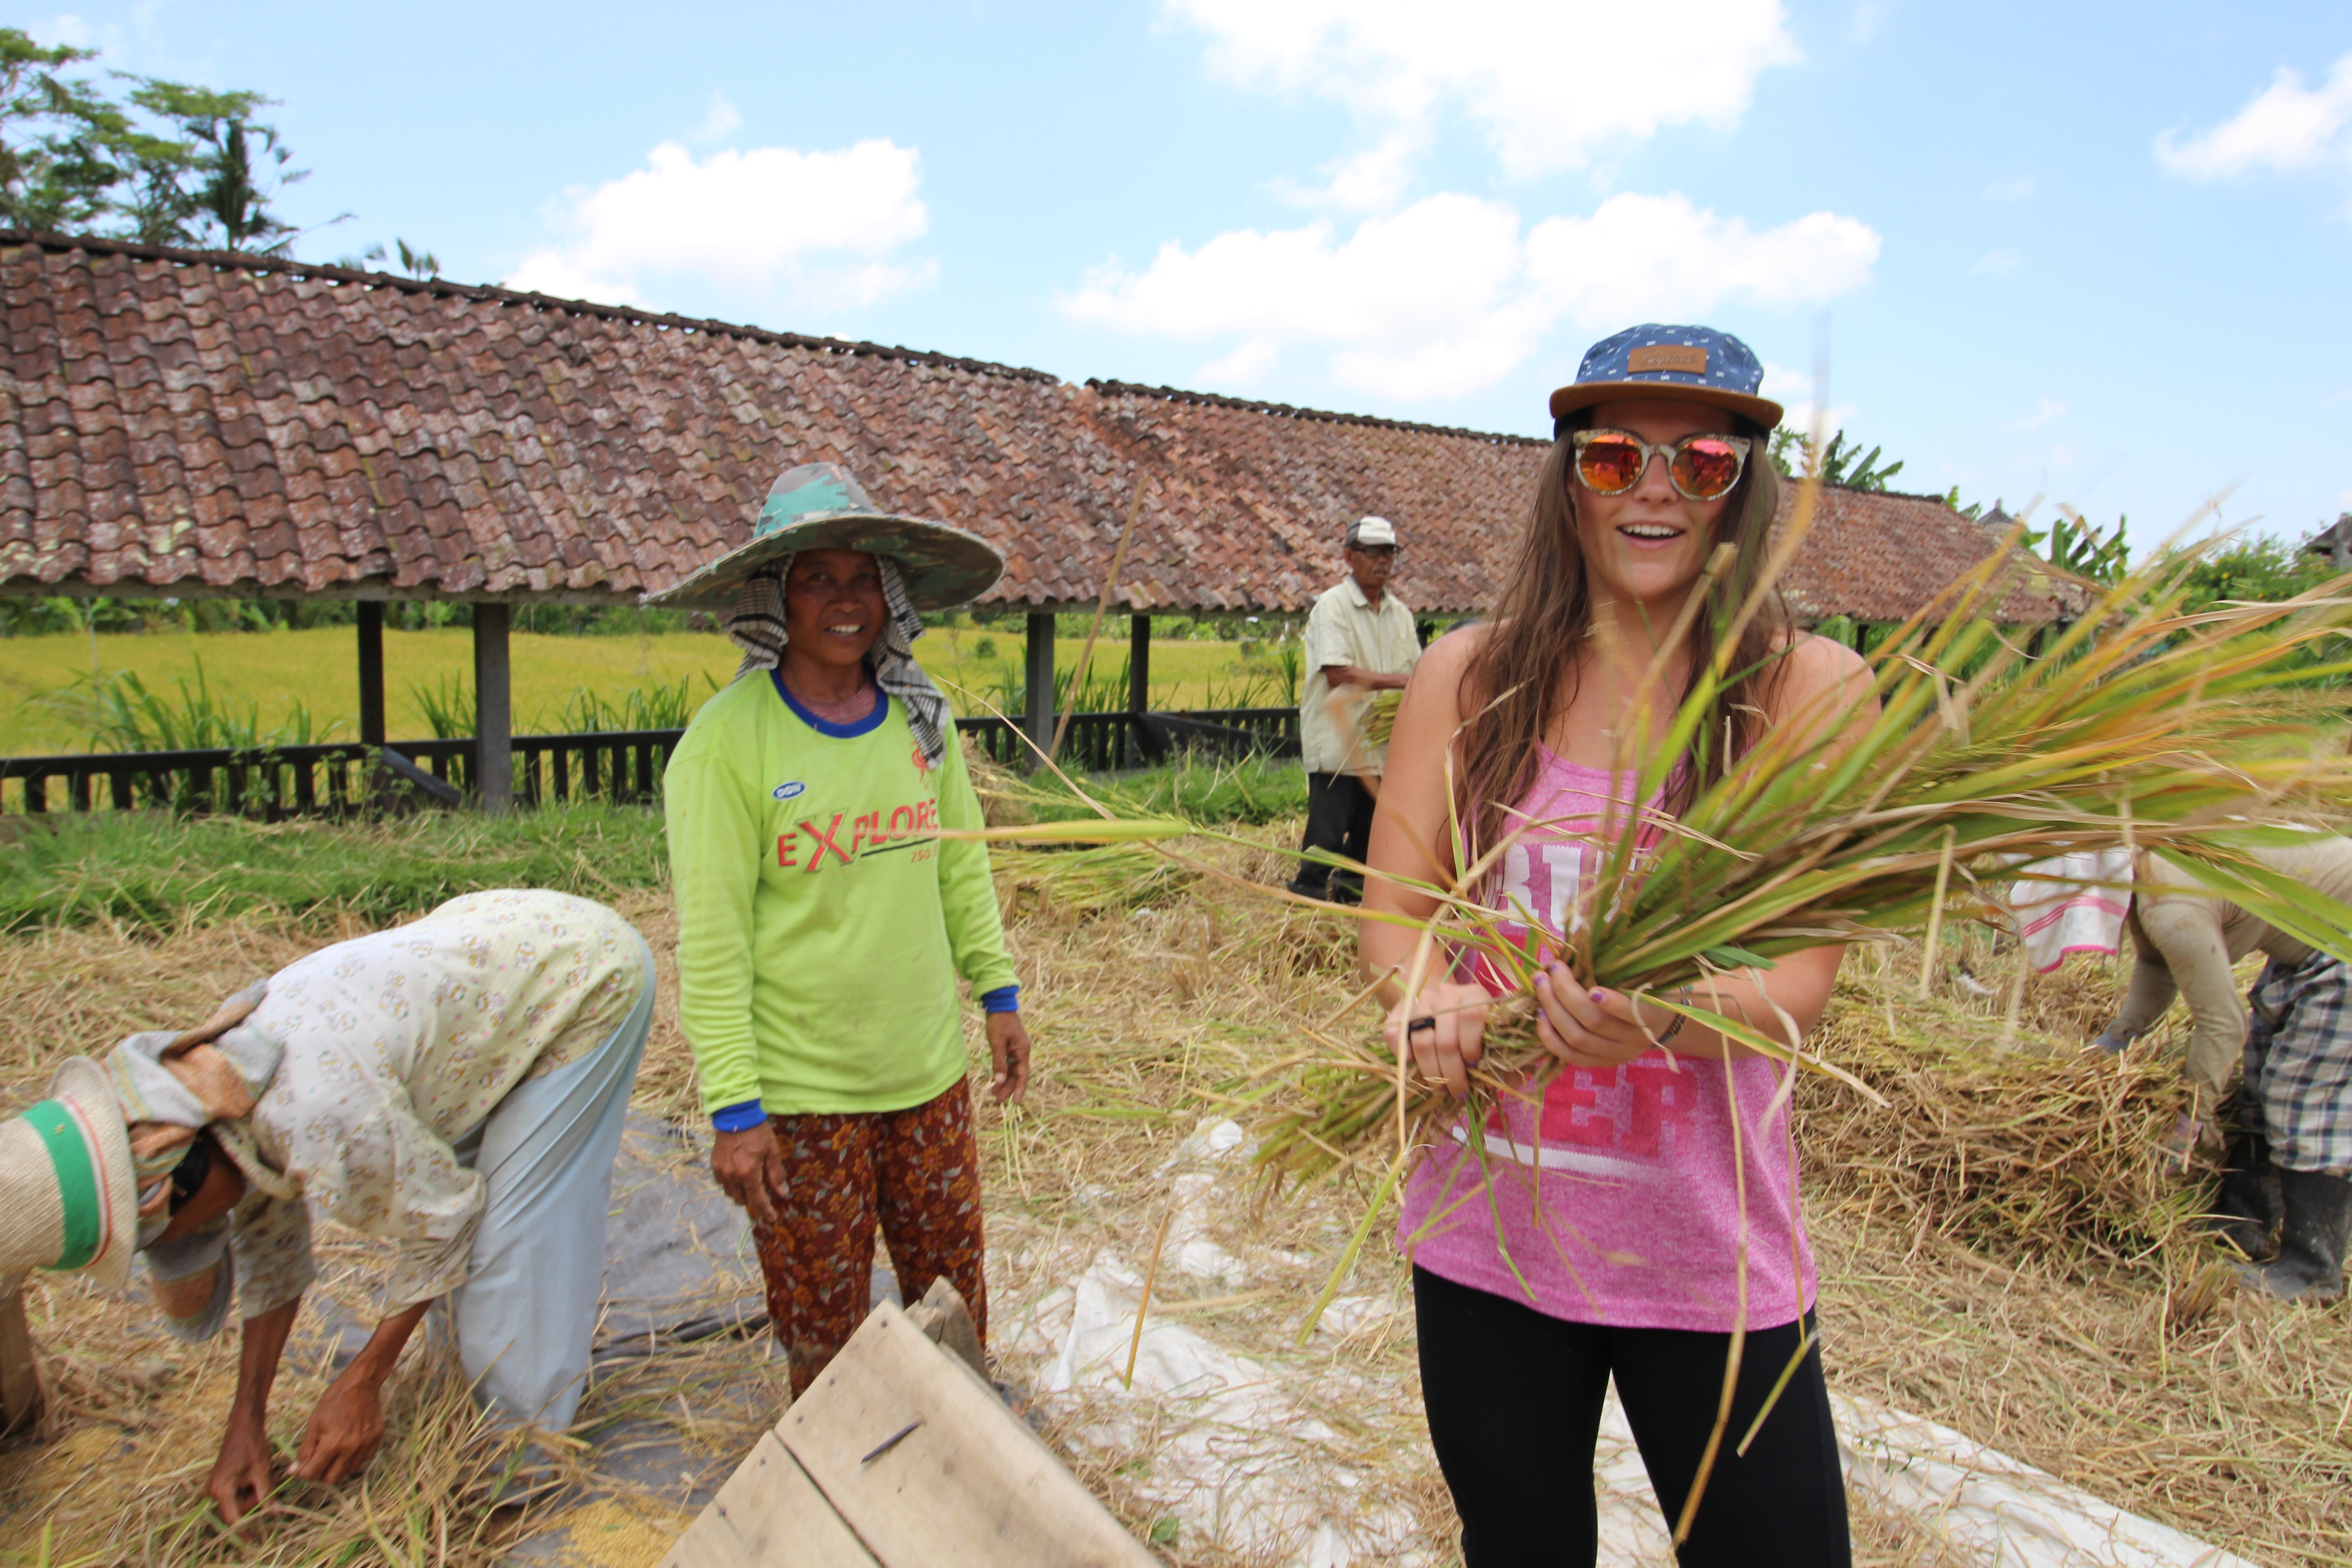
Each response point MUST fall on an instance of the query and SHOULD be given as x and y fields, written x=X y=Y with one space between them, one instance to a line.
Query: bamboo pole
x=1086 y=654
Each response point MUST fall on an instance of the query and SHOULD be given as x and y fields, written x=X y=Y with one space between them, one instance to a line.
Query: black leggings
x=1514 y=1401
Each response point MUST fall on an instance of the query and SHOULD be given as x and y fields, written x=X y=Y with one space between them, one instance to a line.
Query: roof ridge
x=243 y=261
x=1287 y=411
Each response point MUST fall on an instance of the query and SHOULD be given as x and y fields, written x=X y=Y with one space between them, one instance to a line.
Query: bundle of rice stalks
x=1085 y=881
x=1379 y=716
x=2143 y=725
x=2039 y=1144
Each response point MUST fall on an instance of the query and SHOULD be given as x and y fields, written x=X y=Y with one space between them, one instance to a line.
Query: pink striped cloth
x=1661 y=1194
x=2059 y=911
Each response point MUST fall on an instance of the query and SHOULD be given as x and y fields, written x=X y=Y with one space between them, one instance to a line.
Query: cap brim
x=1584 y=394
x=943 y=566
x=85 y=1083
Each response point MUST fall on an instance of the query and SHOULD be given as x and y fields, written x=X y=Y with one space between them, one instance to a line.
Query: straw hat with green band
x=68 y=1198
x=819 y=505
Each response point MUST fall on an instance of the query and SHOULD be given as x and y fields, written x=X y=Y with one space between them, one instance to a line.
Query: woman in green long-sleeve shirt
x=821 y=927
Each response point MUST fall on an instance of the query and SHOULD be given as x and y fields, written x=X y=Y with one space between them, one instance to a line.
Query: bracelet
x=1677 y=1027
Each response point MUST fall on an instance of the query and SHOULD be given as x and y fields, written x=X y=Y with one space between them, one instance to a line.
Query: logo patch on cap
x=1667 y=356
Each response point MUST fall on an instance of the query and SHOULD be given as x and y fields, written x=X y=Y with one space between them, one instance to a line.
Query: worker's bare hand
x=749 y=1169
x=344 y=1429
x=243 y=1476
x=1443 y=1027
x=1008 y=1052
x=1588 y=1027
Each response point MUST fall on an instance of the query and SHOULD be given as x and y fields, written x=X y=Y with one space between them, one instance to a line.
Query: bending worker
x=1360 y=639
x=455 y=1085
x=822 y=926
x=2287 y=1157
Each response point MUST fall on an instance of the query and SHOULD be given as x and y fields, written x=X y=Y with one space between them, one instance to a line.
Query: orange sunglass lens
x=1705 y=469
x=1609 y=463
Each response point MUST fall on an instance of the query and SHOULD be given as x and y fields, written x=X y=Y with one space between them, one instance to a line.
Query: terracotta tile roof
x=181 y=422
x=1875 y=554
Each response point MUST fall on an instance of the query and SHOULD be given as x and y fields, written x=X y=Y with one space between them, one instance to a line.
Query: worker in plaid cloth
x=2287 y=1156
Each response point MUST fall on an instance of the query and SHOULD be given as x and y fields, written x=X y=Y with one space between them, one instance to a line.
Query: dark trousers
x=1340 y=820
x=1514 y=1401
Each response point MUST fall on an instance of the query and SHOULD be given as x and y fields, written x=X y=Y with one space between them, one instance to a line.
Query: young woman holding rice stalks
x=1635 y=1216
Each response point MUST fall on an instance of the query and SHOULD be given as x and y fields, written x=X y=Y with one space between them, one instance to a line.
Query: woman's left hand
x=1008 y=1052
x=1590 y=1028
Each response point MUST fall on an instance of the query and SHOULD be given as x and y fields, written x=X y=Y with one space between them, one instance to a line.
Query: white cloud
x=1793 y=390
x=721 y=122
x=1549 y=80
x=2020 y=189
x=2049 y=408
x=2285 y=126
x=1447 y=296
x=1649 y=256
x=1372 y=180
x=65 y=28
x=1999 y=263
x=817 y=228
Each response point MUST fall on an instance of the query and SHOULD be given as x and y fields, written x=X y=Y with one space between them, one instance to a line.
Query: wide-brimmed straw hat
x=68 y=1200
x=1687 y=364
x=819 y=505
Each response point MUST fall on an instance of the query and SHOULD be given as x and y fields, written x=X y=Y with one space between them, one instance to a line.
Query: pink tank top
x=1615 y=1197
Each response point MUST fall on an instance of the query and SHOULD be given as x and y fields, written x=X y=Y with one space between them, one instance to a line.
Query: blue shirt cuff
x=1003 y=999
x=739 y=1118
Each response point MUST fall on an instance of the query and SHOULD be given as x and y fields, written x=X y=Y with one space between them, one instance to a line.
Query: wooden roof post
x=1138 y=664
x=371 y=639
x=1038 y=721
x=494 y=712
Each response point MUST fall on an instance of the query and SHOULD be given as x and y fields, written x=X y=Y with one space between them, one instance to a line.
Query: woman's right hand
x=749 y=1169
x=1443 y=1027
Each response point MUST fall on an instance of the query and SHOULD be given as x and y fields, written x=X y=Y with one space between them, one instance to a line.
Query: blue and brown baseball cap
x=68 y=1200
x=1688 y=364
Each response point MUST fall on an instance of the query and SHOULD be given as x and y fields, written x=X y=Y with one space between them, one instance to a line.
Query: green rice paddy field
x=318 y=668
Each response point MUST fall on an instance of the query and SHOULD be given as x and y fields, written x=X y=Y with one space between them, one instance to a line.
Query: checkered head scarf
x=757 y=627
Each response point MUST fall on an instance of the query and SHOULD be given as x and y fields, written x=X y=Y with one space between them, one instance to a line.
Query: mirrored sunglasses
x=1702 y=467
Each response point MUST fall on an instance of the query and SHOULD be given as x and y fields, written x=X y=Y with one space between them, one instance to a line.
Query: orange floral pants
x=915 y=1172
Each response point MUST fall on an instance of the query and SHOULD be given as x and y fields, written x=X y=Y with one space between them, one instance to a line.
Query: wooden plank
x=20 y=1379
x=927 y=1466
x=768 y=1515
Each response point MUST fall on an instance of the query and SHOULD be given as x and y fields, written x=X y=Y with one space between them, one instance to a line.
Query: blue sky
x=2096 y=253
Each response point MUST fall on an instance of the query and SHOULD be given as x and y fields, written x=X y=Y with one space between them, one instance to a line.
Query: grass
x=152 y=873
x=315 y=672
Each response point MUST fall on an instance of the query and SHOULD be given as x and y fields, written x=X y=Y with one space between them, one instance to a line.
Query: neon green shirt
x=819 y=938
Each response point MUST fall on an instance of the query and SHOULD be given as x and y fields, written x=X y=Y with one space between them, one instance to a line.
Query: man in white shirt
x=1360 y=639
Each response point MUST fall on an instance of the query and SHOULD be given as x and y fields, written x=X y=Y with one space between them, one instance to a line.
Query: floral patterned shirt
x=399 y=1044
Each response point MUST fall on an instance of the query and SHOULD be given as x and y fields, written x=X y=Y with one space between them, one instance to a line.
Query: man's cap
x=68 y=1198
x=1372 y=532
x=819 y=505
x=1688 y=364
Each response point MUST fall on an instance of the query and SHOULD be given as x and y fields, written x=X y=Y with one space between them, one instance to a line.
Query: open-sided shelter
x=178 y=423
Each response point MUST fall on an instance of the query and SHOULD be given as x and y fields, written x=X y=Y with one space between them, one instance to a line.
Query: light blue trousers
x=526 y=1316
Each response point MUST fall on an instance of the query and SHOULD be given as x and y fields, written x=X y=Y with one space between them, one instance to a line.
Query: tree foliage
x=1841 y=464
x=2079 y=548
x=160 y=161
x=2261 y=567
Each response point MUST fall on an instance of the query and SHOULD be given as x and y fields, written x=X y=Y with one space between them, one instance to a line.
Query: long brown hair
x=1525 y=673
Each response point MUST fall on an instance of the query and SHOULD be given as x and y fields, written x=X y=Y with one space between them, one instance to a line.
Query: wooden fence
x=626 y=765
